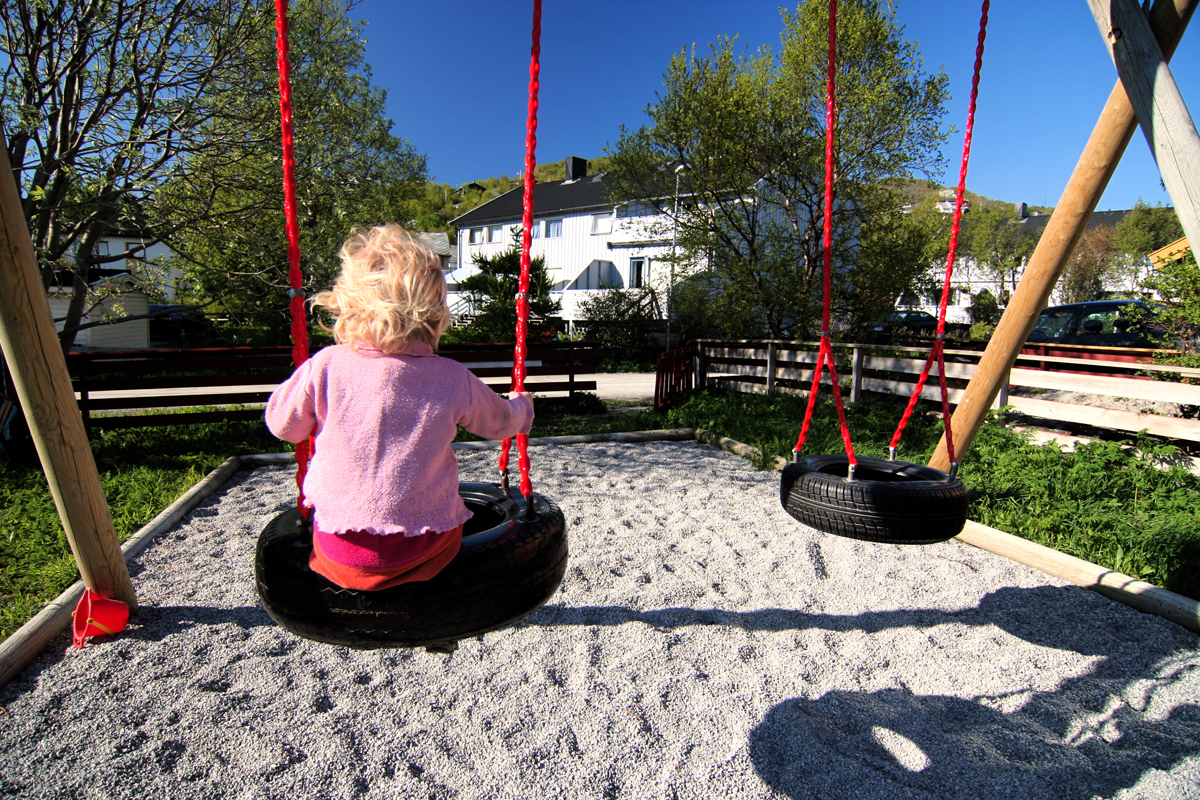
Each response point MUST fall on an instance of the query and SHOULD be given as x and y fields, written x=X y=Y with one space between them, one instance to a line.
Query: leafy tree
x=1146 y=228
x=1143 y=230
x=750 y=130
x=493 y=291
x=1177 y=287
x=991 y=236
x=350 y=171
x=104 y=100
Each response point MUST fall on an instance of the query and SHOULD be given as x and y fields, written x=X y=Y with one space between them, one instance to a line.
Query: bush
x=985 y=308
x=982 y=331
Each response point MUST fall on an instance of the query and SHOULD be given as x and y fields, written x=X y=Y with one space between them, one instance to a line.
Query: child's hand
x=525 y=394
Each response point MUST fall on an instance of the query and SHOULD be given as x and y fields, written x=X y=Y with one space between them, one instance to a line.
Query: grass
x=1129 y=509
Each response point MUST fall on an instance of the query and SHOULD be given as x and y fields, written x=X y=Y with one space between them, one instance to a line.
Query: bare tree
x=104 y=101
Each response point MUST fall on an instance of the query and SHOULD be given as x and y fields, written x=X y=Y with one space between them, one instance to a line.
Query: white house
x=969 y=279
x=120 y=298
x=588 y=243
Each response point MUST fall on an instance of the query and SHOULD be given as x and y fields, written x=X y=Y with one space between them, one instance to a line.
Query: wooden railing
x=124 y=381
x=769 y=366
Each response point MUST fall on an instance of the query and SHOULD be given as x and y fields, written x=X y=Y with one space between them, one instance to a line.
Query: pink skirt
x=370 y=562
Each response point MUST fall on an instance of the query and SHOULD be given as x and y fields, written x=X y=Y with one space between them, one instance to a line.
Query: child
x=383 y=480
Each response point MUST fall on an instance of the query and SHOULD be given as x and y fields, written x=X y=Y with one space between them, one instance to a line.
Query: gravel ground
x=703 y=645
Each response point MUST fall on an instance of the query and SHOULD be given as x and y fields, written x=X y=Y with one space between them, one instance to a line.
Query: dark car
x=179 y=323
x=1103 y=323
x=910 y=321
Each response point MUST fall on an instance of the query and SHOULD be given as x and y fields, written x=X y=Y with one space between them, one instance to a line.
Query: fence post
x=1002 y=397
x=856 y=375
x=772 y=350
x=701 y=366
x=571 y=370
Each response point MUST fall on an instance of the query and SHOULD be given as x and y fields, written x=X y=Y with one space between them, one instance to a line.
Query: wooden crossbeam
x=1156 y=100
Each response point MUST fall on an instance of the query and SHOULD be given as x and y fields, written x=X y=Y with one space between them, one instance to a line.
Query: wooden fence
x=124 y=381
x=769 y=366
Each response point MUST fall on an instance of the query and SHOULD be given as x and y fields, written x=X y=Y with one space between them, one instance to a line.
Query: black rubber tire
x=889 y=501
x=508 y=567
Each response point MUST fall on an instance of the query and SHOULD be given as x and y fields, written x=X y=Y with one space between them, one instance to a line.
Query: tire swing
x=514 y=549
x=876 y=499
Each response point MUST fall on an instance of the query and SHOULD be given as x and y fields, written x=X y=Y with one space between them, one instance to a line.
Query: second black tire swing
x=875 y=499
x=514 y=549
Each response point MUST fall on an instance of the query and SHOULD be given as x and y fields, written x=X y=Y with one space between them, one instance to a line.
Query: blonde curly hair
x=391 y=290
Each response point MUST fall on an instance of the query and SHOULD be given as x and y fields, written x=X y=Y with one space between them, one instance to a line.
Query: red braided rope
x=936 y=353
x=295 y=278
x=518 y=379
x=825 y=357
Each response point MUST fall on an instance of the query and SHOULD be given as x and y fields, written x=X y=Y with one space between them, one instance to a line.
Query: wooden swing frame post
x=1110 y=137
x=39 y=370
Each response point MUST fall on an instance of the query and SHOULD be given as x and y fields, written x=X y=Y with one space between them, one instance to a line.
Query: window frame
x=638 y=272
x=556 y=223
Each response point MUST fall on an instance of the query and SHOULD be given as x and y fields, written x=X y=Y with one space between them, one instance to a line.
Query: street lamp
x=674 y=243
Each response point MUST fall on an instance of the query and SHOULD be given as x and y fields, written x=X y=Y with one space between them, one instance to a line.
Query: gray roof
x=549 y=199
x=437 y=241
x=1099 y=219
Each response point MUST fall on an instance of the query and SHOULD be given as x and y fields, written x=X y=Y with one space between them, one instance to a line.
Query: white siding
x=133 y=335
x=579 y=252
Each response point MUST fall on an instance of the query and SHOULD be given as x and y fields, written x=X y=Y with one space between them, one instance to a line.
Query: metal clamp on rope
x=294 y=293
x=795 y=455
x=940 y=336
x=504 y=480
x=850 y=468
x=891 y=454
x=824 y=334
x=953 y=471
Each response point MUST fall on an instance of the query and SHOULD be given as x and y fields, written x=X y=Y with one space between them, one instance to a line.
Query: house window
x=554 y=229
x=496 y=234
x=602 y=223
x=101 y=248
x=535 y=230
x=637 y=273
x=476 y=236
x=636 y=210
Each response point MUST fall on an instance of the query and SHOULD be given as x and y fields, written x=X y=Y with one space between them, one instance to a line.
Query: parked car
x=910 y=321
x=919 y=322
x=179 y=323
x=1104 y=323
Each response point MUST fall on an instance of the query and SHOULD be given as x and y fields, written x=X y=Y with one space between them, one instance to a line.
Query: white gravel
x=703 y=644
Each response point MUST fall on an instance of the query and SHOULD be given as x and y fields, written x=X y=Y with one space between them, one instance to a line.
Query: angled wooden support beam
x=1110 y=137
x=39 y=371
x=1156 y=100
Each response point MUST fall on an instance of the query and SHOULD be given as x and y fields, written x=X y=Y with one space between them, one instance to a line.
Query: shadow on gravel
x=1139 y=716
x=938 y=746
x=1027 y=613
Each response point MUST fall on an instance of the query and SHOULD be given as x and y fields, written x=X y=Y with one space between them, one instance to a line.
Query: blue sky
x=457 y=73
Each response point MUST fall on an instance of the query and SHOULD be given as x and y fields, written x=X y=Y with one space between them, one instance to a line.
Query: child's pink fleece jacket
x=384 y=424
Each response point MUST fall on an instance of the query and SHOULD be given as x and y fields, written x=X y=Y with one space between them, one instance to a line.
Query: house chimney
x=576 y=168
x=1022 y=211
